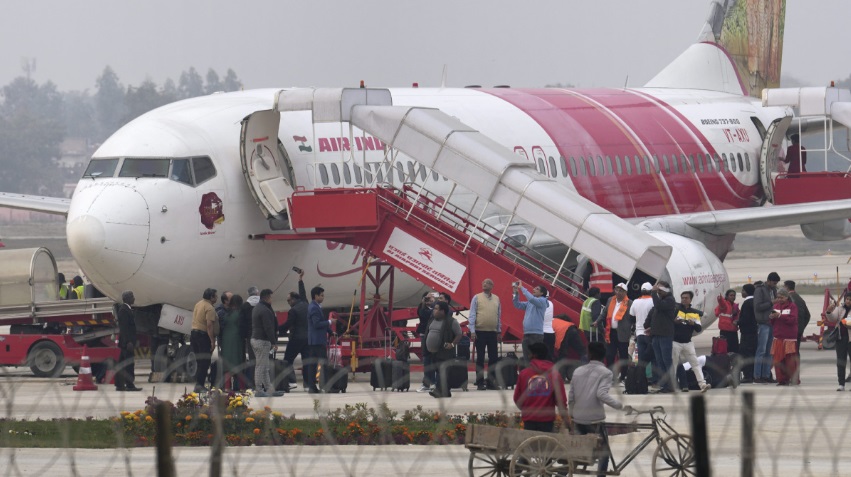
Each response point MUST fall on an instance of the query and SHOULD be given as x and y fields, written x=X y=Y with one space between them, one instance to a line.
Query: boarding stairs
x=420 y=231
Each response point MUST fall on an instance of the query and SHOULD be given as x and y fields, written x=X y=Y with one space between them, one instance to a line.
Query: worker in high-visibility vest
x=601 y=277
x=78 y=291
x=63 y=287
x=591 y=309
x=570 y=348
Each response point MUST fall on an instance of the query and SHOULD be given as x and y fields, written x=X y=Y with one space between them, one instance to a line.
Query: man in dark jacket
x=124 y=378
x=424 y=311
x=263 y=340
x=317 y=337
x=748 y=328
x=661 y=325
x=803 y=311
x=296 y=325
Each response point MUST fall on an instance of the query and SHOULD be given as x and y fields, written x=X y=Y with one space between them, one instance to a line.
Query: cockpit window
x=144 y=168
x=180 y=171
x=204 y=169
x=101 y=168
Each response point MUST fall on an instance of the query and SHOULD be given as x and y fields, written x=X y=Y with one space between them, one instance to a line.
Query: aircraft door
x=265 y=164
x=769 y=154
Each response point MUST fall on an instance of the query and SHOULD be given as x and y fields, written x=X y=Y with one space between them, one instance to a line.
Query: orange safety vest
x=601 y=277
x=611 y=309
x=561 y=327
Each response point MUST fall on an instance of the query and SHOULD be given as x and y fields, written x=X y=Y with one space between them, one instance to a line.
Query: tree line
x=36 y=118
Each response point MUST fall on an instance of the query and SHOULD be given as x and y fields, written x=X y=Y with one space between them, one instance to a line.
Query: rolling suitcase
x=381 y=374
x=282 y=373
x=504 y=374
x=401 y=375
x=454 y=371
x=636 y=380
x=333 y=379
x=718 y=370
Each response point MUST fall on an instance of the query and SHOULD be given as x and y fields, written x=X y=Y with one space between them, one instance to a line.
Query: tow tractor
x=44 y=333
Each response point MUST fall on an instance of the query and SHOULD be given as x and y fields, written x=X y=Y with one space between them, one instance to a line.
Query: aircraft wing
x=36 y=203
x=722 y=222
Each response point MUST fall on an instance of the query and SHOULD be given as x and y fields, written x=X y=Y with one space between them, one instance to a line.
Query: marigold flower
x=149 y=418
x=188 y=418
x=249 y=419
x=256 y=431
x=203 y=416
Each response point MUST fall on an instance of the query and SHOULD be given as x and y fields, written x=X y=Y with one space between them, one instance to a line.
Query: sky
x=280 y=43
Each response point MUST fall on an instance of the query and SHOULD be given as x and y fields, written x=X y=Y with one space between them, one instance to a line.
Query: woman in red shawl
x=784 y=322
x=727 y=312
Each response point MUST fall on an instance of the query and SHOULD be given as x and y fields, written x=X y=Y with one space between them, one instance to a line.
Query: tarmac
x=800 y=430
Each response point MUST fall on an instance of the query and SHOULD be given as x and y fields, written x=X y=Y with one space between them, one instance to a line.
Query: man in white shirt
x=639 y=310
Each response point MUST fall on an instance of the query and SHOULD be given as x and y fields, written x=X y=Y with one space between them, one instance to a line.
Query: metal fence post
x=698 y=432
x=748 y=444
x=165 y=462
x=217 y=448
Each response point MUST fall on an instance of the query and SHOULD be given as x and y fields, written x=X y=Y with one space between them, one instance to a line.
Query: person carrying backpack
x=540 y=393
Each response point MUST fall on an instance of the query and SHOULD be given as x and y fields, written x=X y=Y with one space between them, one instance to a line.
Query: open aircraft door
x=770 y=152
x=265 y=164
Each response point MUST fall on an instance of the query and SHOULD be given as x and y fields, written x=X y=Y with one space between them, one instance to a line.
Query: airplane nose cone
x=107 y=232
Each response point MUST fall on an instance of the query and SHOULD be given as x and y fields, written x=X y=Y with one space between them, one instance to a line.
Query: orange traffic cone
x=84 y=377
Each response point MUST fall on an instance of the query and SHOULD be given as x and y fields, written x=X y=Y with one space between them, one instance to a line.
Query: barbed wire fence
x=796 y=430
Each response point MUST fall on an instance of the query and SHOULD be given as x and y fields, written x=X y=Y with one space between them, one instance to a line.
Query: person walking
x=727 y=312
x=263 y=340
x=803 y=311
x=748 y=327
x=485 y=324
x=784 y=351
x=570 y=349
x=533 y=320
x=232 y=356
x=245 y=330
x=539 y=393
x=838 y=314
x=763 y=304
x=127 y=342
x=317 y=337
x=661 y=326
x=589 y=391
x=202 y=339
x=444 y=333
x=639 y=311
x=686 y=324
x=618 y=326
x=424 y=312
x=296 y=326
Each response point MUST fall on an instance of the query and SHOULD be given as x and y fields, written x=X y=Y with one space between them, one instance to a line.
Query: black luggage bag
x=636 y=380
x=718 y=370
x=401 y=375
x=504 y=373
x=333 y=379
x=454 y=371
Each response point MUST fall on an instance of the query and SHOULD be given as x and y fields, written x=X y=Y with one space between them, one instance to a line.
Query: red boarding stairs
x=433 y=241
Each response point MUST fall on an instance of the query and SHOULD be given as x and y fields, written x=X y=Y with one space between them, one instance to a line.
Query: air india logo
x=211 y=210
x=426 y=254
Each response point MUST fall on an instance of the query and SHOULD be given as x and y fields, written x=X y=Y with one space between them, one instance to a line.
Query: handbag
x=830 y=338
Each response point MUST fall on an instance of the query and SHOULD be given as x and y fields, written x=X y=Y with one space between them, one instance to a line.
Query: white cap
x=622 y=286
x=646 y=286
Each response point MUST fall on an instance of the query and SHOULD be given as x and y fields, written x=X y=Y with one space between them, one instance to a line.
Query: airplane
x=168 y=202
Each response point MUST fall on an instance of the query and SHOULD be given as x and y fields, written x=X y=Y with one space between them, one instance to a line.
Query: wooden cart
x=501 y=452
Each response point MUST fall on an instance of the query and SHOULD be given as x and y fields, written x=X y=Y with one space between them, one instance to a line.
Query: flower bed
x=191 y=424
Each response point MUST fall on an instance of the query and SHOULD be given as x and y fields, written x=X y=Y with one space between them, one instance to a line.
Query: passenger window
x=203 y=168
x=696 y=163
x=553 y=170
x=434 y=176
x=335 y=173
x=367 y=174
x=741 y=164
x=665 y=164
x=347 y=174
x=675 y=165
x=638 y=165
x=379 y=173
x=412 y=173
x=101 y=168
x=710 y=166
x=400 y=172
x=730 y=165
x=323 y=174
x=358 y=176
x=685 y=163
x=564 y=166
x=747 y=162
x=144 y=168
x=423 y=173
x=600 y=169
x=582 y=168
x=181 y=172
x=573 y=170
x=618 y=166
x=541 y=167
x=592 y=166
x=609 y=165
x=628 y=165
